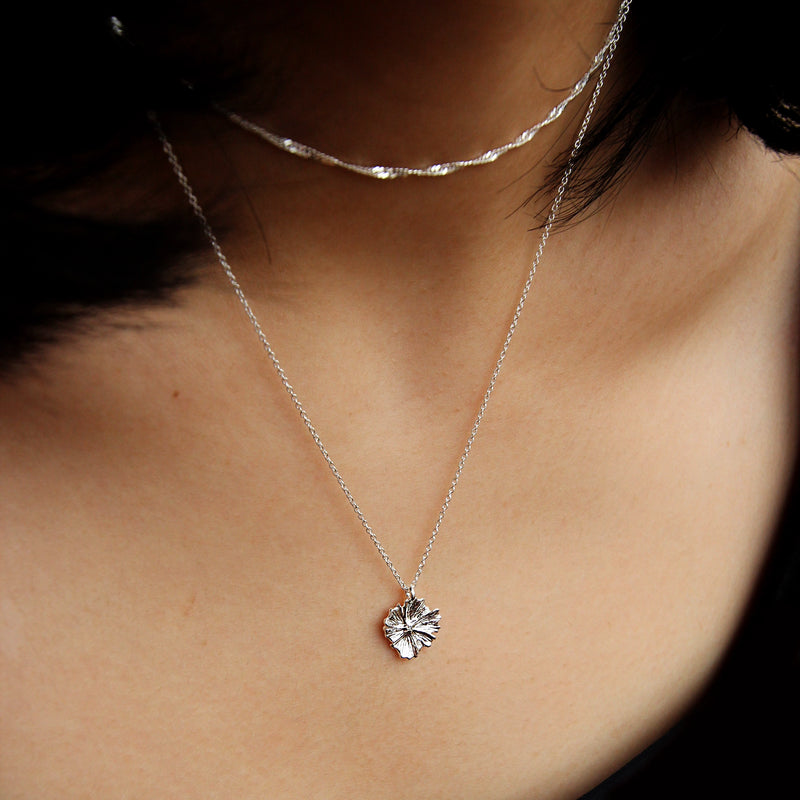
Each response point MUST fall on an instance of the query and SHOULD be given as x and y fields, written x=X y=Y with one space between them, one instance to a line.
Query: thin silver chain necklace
x=382 y=172
x=411 y=625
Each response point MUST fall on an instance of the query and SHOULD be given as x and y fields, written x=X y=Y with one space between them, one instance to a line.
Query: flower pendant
x=411 y=626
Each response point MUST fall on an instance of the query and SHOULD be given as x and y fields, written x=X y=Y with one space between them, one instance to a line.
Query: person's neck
x=420 y=83
x=412 y=85
x=434 y=260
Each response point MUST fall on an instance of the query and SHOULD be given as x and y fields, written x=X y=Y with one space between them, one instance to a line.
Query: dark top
x=742 y=738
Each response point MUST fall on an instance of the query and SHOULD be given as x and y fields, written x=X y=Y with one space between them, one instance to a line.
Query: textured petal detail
x=426 y=634
x=405 y=647
x=414 y=609
x=430 y=618
x=394 y=634
x=411 y=626
x=396 y=618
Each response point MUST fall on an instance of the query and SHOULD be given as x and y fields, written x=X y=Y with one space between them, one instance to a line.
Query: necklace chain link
x=408 y=588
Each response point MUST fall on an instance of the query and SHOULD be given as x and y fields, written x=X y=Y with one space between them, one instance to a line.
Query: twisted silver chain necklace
x=411 y=625
x=382 y=172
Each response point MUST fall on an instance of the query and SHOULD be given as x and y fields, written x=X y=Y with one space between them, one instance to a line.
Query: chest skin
x=190 y=608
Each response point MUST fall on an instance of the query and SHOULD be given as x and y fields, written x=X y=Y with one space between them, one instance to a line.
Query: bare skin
x=189 y=606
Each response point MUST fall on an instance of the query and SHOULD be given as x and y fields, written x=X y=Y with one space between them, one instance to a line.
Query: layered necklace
x=411 y=625
x=440 y=169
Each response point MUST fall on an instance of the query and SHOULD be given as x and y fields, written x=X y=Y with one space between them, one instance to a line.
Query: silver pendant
x=411 y=626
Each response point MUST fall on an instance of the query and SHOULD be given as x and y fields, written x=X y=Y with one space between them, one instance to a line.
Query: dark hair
x=77 y=104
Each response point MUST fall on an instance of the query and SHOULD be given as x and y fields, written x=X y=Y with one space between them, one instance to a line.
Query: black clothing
x=742 y=738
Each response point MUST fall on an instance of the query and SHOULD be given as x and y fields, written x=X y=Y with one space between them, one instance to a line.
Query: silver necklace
x=382 y=172
x=411 y=625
